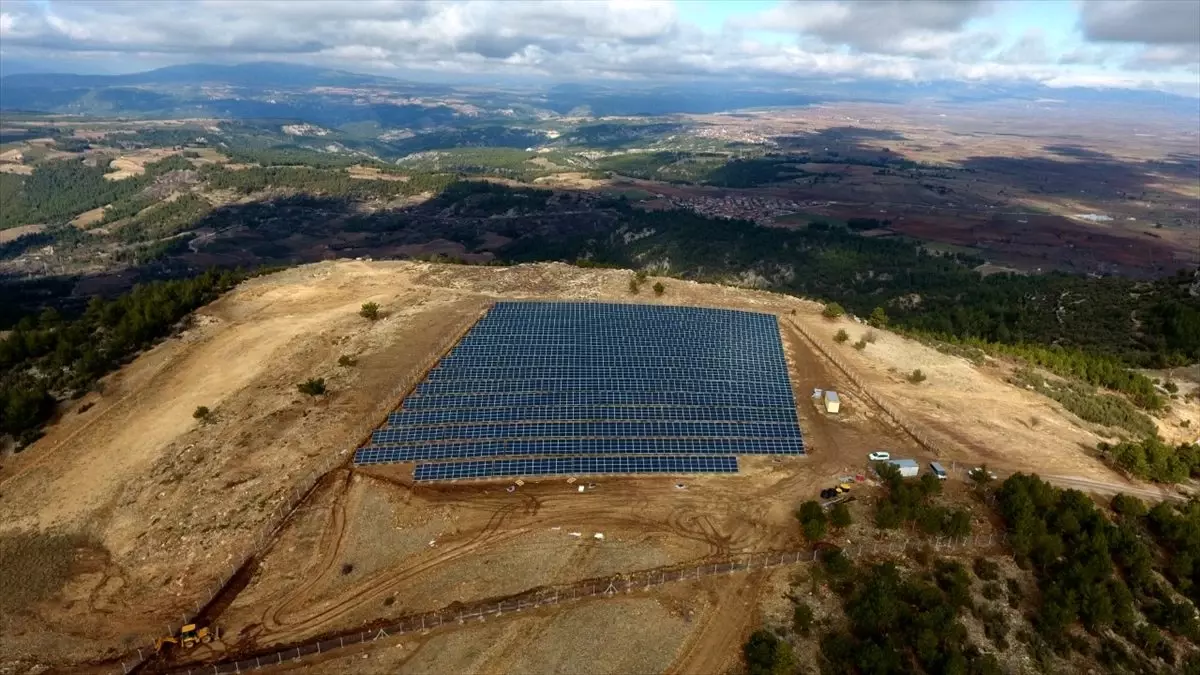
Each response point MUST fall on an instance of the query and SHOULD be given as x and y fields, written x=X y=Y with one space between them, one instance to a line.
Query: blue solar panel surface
x=559 y=466
x=622 y=388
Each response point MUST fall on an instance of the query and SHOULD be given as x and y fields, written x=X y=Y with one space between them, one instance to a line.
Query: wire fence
x=914 y=431
x=300 y=490
x=460 y=615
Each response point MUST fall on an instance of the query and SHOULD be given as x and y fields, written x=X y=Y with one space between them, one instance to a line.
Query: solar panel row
x=466 y=361
x=483 y=386
x=598 y=388
x=641 y=373
x=606 y=354
x=573 y=429
x=657 y=399
x=416 y=418
x=386 y=454
x=559 y=466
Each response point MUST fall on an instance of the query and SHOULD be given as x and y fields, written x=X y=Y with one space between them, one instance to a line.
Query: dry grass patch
x=36 y=565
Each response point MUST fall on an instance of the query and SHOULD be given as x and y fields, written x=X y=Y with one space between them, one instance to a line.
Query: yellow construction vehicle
x=189 y=636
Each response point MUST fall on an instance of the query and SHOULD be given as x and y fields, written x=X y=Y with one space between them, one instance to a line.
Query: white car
x=879 y=456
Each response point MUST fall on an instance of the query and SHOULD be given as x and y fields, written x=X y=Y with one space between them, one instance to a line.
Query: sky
x=1142 y=44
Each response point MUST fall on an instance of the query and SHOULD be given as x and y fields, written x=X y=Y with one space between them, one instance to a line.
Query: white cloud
x=913 y=27
x=1145 y=21
x=908 y=40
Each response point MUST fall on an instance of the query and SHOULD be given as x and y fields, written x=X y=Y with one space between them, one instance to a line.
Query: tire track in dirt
x=708 y=649
x=689 y=521
x=372 y=590
x=333 y=539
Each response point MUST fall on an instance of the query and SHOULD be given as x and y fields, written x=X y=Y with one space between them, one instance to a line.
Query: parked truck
x=908 y=467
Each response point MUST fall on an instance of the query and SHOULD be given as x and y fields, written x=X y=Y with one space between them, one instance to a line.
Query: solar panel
x=583 y=383
x=385 y=454
x=549 y=413
x=655 y=399
x=620 y=388
x=559 y=466
x=574 y=429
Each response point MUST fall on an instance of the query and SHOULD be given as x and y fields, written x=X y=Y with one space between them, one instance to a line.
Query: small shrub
x=833 y=311
x=766 y=654
x=1171 y=387
x=313 y=387
x=640 y=275
x=916 y=376
x=812 y=520
x=922 y=555
x=201 y=413
x=369 y=310
x=986 y=570
x=860 y=345
x=992 y=591
x=345 y=360
x=659 y=289
x=995 y=627
x=879 y=318
x=841 y=336
x=871 y=337
x=1126 y=505
x=802 y=619
x=633 y=285
x=347 y=568
x=839 y=516
x=836 y=563
x=389 y=601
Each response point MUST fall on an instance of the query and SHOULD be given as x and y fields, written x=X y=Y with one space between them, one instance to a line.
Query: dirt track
x=171 y=501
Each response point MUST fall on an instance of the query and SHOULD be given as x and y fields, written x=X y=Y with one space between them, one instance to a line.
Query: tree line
x=1093 y=330
x=50 y=358
x=59 y=190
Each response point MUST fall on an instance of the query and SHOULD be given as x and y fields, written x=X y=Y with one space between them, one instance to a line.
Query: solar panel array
x=554 y=388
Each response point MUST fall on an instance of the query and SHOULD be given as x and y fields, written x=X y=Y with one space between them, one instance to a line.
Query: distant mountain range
x=281 y=90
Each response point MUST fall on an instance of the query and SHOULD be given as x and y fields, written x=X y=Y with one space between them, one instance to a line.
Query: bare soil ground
x=373 y=173
x=167 y=504
x=11 y=233
x=88 y=218
x=622 y=635
x=134 y=163
x=574 y=180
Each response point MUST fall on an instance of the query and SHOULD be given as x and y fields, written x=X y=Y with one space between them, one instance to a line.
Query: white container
x=832 y=403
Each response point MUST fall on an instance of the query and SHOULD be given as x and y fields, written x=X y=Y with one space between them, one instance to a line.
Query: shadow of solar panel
x=561 y=466
x=562 y=381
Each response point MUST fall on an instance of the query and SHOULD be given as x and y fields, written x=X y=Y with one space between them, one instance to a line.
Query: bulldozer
x=189 y=636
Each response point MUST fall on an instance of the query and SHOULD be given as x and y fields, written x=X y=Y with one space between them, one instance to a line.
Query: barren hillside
x=159 y=506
